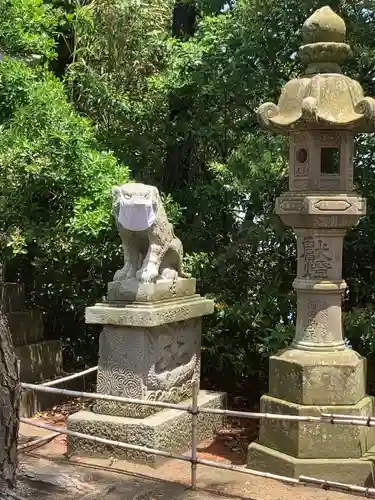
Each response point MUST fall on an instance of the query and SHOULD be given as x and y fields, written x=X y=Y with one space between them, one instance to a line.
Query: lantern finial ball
x=324 y=26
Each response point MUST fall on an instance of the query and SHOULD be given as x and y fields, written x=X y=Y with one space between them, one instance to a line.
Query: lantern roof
x=323 y=98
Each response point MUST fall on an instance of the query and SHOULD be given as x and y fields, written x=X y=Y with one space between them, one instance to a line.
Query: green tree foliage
x=27 y=27
x=55 y=185
x=116 y=59
x=188 y=124
x=172 y=89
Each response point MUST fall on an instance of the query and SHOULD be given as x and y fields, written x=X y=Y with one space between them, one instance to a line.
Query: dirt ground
x=46 y=472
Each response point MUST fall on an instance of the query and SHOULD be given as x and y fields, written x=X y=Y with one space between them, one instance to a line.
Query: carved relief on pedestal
x=157 y=363
x=120 y=367
x=329 y=183
x=330 y=221
x=300 y=184
x=338 y=211
x=174 y=360
x=317 y=321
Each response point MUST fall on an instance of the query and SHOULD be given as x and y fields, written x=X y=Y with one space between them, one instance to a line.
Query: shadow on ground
x=41 y=479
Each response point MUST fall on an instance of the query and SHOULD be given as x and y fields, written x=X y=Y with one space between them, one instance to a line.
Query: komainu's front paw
x=148 y=274
x=125 y=273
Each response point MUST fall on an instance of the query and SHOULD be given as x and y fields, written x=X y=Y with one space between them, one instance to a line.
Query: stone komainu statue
x=151 y=249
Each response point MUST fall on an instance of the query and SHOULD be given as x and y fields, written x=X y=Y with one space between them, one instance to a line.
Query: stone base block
x=157 y=364
x=133 y=290
x=318 y=378
x=351 y=471
x=166 y=430
x=149 y=314
x=309 y=440
x=25 y=327
x=40 y=361
x=12 y=297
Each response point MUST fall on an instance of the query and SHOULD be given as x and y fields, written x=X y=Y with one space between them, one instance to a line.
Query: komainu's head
x=135 y=206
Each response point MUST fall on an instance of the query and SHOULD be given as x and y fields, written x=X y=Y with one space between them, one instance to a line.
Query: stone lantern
x=320 y=113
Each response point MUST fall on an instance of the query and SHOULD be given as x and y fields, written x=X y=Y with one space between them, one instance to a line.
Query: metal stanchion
x=194 y=437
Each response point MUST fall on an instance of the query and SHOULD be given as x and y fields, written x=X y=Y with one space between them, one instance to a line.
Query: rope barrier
x=324 y=419
x=117 y=444
x=104 y=397
x=194 y=410
x=70 y=377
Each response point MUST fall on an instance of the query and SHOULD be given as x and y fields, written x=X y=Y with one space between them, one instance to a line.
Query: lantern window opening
x=302 y=155
x=330 y=160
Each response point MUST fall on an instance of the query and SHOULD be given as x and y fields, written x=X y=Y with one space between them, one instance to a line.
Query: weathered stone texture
x=318 y=378
x=150 y=313
x=151 y=339
x=26 y=327
x=40 y=360
x=12 y=297
x=321 y=112
x=147 y=363
x=168 y=430
x=312 y=440
x=133 y=291
x=342 y=470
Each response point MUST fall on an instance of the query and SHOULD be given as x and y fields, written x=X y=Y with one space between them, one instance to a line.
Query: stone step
x=165 y=430
x=370 y=454
x=12 y=297
x=40 y=361
x=25 y=327
x=310 y=440
x=358 y=471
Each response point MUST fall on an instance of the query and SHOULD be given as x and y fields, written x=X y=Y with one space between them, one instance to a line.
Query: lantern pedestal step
x=356 y=471
x=317 y=378
x=305 y=383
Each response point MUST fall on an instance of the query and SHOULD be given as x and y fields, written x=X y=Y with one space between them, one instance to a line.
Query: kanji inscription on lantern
x=317 y=320
x=317 y=258
x=311 y=327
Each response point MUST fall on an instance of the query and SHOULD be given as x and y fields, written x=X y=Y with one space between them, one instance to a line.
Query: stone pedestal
x=149 y=350
x=318 y=374
x=310 y=383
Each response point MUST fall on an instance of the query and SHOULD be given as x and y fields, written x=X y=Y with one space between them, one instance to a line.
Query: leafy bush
x=27 y=28
x=55 y=187
x=359 y=328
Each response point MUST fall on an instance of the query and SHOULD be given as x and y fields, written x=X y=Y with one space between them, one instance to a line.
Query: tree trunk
x=180 y=150
x=10 y=391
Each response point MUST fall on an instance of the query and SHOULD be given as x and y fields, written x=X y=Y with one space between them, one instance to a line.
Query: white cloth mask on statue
x=136 y=217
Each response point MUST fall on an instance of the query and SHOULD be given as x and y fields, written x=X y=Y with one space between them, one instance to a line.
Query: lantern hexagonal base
x=309 y=383
x=317 y=378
